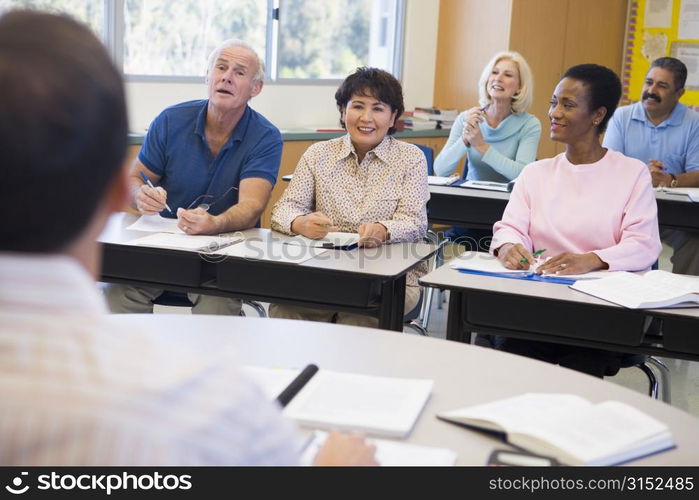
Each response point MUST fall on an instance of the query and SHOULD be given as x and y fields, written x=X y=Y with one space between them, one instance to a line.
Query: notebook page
x=689 y=284
x=383 y=405
x=155 y=224
x=389 y=452
x=630 y=290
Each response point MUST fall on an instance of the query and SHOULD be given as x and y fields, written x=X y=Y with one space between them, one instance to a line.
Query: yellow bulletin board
x=657 y=28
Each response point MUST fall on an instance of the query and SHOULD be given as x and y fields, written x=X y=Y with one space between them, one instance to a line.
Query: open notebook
x=652 y=290
x=385 y=406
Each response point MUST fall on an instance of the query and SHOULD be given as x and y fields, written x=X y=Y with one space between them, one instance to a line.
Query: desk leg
x=392 y=304
x=455 y=317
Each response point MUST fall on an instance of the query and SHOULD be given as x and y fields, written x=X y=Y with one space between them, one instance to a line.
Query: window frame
x=114 y=41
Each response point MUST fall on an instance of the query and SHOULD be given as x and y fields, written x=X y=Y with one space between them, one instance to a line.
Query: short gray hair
x=235 y=42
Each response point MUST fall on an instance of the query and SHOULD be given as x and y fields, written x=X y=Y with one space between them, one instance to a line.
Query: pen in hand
x=150 y=185
x=535 y=255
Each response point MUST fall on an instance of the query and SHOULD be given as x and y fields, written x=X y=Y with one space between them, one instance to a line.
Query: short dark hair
x=604 y=88
x=674 y=66
x=63 y=129
x=372 y=82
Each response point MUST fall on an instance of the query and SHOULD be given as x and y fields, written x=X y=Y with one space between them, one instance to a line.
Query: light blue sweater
x=513 y=144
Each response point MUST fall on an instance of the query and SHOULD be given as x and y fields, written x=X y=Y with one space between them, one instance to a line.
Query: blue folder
x=527 y=277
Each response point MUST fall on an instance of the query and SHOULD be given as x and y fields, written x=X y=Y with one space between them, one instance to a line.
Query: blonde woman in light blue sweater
x=499 y=136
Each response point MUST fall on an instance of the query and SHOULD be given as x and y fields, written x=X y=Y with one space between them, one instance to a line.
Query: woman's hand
x=572 y=263
x=372 y=235
x=515 y=256
x=315 y=226
x=472 y=130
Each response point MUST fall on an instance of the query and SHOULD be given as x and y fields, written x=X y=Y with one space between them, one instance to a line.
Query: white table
x=463 y=374
x=366 y=280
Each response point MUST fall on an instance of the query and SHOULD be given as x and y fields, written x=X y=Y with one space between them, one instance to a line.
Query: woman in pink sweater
x=590 y=208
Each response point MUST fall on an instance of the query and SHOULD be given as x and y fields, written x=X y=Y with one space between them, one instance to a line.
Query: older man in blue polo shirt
x=664 y=134
x=216 y=151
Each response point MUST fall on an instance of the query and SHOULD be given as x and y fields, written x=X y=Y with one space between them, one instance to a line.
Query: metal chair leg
x=664 y=381
x=653 y=382
x=259 y=309
x=415 y=325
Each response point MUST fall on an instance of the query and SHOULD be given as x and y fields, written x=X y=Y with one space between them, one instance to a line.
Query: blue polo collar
x=674 y=120
x=238 y=132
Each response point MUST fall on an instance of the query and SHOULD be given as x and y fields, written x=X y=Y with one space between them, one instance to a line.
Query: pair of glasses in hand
x=207 y=203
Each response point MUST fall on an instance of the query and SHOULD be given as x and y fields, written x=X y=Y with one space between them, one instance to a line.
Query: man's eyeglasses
x=208 y=204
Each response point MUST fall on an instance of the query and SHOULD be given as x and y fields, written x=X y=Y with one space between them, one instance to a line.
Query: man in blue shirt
x=217 y=152
x=664 y=134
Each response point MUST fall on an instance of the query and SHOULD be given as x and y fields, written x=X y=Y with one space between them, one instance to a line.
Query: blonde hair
x=522 y=100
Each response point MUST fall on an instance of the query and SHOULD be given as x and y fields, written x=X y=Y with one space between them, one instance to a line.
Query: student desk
x=463 y=374
x=479 y=208
x=556 y=313
x=367 y=281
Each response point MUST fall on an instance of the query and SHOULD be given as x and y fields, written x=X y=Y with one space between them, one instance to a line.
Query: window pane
x=166 y=37
x=329 y=39
x=90 y=12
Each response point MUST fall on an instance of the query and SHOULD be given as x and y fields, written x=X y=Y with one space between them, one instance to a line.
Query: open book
x=652 y=290
x=386 y=406
x=339 y=241
x=194 y=243
x=569 y=427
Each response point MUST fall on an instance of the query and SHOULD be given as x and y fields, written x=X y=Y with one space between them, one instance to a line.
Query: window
x=329 y=39
x=299 y=39
x=90 y=12
x=169 y=38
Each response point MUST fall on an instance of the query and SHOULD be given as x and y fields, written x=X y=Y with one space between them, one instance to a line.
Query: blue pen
x=150 y=184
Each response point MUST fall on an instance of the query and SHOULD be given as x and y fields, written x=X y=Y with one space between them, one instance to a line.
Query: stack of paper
x=505 y=187
x=435 y=180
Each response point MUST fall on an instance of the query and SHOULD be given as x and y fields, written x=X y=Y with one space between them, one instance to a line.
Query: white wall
x=309 y=106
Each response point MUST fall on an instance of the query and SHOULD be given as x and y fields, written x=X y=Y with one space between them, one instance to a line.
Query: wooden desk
x=556 y=313
x=452 y=366
x=479 y=208
x=365 y=281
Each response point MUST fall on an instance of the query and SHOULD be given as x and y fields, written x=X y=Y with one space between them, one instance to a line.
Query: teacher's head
x=507 y=77
x=63 y=133
x=583 y=102
x=370 y=100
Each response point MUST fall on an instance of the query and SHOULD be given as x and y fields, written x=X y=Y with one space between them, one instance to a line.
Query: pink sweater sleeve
x=640 y=245
x=514 y=226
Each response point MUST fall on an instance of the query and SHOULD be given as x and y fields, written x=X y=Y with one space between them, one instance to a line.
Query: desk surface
x=363 y=281
x=485 y=374
x=557 y=313
x=267 y=245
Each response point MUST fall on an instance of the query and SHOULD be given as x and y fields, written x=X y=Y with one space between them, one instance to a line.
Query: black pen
x=296 y=385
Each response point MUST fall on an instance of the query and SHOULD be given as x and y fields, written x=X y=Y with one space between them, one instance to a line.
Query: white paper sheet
x=389 y=453
x=155 y=224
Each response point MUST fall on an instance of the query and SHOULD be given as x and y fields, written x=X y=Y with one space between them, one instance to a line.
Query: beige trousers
x=412 y=297
x=124 y=299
